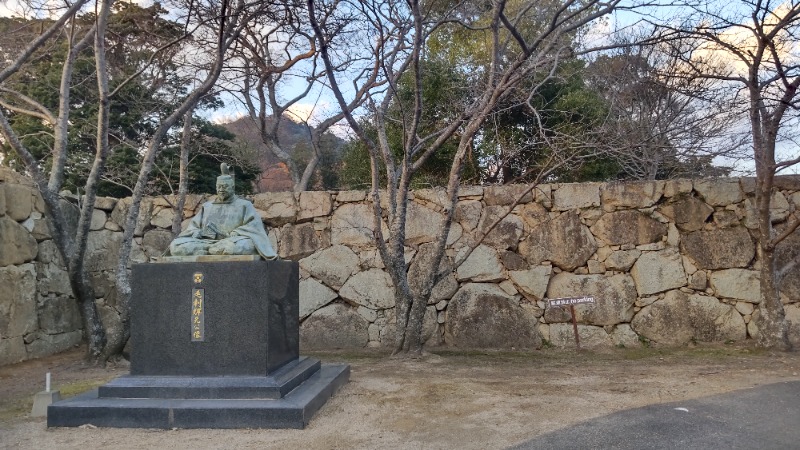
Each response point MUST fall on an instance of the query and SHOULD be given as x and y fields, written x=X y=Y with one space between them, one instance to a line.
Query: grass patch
x=19 y=407
x=79 y=387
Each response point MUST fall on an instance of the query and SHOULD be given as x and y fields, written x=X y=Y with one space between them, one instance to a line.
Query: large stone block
x=786 y=251
x=564 y=241
x=156 y=242
x=719 y=191
x=719 y=249
x=623 y=336
x=680 y=318
x=353 y=224
x=674 y=188
x=48 y=253
x=778 y=210
x=430 y=328
x=50 y=344
x=422 y=224
x=314 y=204
x=468 y=213
x=52 y=278
x=17 y=300
x=562 y=335
x=102 y=250
x=162 y=218
x=483 y=264
x=631 y=194
x=12 y=350
x=576 y=196
x=506 y=234
x=656 y=272
x=17 y=245
x=793 y=319
x=532 y=282
x=688 y=213
x=628 y=227
x=622 y=260
x=19 y=201
x=614 y=298
x=435 y=198
x=482 y=315
x=278 y=208
x=59 y=314
x=532 y=214
x=372 y=288
x=105 y=203
x=422 y=267
x=334 y=326
x=313 y=296
x=333 y=266
x=249 y=322
x=740 y=284
x=36 y=224
x=120 y=214
x=299 y=241
x=350 y=196
x=502 y=195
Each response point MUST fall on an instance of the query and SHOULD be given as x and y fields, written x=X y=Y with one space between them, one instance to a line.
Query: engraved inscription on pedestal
x=198 y=315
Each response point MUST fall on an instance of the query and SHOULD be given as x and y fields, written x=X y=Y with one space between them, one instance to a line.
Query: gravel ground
x=446 y=399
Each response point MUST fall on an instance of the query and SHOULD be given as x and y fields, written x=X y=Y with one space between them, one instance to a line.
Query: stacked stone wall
x=668 y=263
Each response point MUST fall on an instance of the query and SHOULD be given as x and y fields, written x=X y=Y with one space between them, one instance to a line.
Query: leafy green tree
x=145 y=85
x=210 y=145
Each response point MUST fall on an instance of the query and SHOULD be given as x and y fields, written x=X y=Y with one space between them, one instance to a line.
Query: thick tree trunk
x=92 y=325
x=773 y=331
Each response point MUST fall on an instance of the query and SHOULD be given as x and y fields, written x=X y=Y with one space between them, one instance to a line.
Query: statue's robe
x=237 y=218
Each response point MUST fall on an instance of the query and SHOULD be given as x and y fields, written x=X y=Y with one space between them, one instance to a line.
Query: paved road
x=766 y=417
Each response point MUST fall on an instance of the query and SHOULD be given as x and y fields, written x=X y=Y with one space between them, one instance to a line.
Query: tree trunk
x=183 y=183
x=773 y=331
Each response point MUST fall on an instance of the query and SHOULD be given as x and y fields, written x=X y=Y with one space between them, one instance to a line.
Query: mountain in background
x=296 y=140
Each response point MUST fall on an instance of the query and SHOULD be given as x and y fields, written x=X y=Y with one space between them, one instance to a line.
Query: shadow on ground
x=766 y=417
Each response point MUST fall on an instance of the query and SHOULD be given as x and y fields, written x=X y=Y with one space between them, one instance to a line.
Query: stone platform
x=202 y=402
x=214 y=345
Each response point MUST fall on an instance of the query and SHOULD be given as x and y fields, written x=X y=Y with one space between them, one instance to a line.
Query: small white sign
x=570 y=301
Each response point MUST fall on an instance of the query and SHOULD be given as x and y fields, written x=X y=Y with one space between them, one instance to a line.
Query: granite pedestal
x=214 y=345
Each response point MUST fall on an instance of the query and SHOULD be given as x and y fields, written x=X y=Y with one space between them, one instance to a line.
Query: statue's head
x=224 y=184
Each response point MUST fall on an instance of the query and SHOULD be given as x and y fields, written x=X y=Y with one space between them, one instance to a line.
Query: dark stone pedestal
x=214 y=345
x=249 y=314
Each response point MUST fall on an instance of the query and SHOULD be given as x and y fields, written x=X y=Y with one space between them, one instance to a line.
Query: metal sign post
x=571 y=301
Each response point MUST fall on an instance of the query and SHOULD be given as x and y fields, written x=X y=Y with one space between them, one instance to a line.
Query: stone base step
x=294 y=410
x=273 y=386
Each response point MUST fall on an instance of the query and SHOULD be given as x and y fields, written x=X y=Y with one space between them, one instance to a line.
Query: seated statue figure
x=226 y=226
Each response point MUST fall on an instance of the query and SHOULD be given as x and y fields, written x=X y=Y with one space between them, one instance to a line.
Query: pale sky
x=323 y=107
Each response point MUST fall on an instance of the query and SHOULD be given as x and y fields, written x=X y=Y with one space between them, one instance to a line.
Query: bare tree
x=277 y=54
x=214 y=27
x=661 y=124
x=72 y=249
x=751 y=47
x=219 y=26
x=398 y=33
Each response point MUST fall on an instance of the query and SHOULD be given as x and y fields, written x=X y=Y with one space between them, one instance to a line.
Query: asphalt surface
x=766 y=417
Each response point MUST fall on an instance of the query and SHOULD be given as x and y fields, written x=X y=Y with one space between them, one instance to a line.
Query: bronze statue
x=226 y=226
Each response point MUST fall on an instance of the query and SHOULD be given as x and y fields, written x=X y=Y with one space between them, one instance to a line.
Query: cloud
x=311 y=113
x=742 y=38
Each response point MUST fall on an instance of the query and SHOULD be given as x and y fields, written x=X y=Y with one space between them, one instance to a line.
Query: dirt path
x=463 y=400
